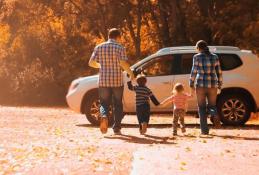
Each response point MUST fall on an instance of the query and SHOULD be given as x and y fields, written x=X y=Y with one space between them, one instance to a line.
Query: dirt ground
x=57 y=141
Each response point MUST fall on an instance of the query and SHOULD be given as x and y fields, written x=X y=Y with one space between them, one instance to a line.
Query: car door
x=159 y=74
x=183 y=76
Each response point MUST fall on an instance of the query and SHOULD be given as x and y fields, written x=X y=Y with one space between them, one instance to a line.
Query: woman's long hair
x=203 y=46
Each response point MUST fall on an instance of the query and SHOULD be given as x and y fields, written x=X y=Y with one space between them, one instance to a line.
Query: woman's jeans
x=112 y=96
x=204 y=96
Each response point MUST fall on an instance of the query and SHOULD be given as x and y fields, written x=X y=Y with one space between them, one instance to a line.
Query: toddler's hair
x=178 y=88
x=141 y=80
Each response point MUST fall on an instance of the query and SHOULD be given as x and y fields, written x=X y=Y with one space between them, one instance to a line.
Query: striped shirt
x=109 y=54
x=206 y=71
x=180 y=100
x=143 y=94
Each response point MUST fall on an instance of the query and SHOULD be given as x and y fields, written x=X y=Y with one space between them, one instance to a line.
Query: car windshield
x=139 y=63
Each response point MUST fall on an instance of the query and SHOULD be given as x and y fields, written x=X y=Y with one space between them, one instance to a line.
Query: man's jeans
x=205 y=95
x=112 y=96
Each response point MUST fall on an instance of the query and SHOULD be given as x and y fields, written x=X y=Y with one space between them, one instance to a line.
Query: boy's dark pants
x=143 y=113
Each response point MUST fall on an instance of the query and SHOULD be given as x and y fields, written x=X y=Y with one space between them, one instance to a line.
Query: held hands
x=132 y=76
x=192 y=91
x=219 y=90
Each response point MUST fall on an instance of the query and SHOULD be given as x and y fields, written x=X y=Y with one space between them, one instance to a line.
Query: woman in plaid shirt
x=206 y=78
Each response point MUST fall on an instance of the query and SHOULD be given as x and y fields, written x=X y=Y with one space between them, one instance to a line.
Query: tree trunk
x=130 y=23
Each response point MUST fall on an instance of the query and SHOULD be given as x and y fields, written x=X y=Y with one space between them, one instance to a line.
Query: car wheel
x=234 y=109
x=92 y=109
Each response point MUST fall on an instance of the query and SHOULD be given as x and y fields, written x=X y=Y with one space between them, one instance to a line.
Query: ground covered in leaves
x=58 y=141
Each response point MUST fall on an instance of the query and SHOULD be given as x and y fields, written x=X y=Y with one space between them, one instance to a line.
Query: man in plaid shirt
x=110 y=57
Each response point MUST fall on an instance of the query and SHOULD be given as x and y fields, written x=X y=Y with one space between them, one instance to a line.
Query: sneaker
x=117 y=132
x=216 y=121
x=141 y=131
x=144 y=128
x=205 y=136
x=104 y=125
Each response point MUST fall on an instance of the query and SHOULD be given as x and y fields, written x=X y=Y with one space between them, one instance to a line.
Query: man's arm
x=125 y=66
x=94 y=64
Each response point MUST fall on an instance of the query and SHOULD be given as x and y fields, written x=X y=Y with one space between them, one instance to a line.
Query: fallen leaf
x=227 y=151
x=188 y=149
x=58 y=132
x=183 y=163
x=182 y=169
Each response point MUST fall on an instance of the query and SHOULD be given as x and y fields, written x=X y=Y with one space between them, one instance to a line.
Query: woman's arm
x=219 y=73
x=194 y=71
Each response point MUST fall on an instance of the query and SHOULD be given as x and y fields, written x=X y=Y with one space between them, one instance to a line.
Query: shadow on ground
x=152 y=139
x=245 y=127
x=236 y=137
x=145 y=139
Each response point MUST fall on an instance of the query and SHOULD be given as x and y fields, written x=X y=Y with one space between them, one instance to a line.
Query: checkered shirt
x=109 y=54
x=206 y=71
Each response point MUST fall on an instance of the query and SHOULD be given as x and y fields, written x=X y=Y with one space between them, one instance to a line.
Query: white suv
x=238 y=98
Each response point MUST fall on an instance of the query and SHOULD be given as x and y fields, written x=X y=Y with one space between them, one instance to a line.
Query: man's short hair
x=114 y=33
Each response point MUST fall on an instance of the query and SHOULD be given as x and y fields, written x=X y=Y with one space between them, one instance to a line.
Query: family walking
x=205 y=80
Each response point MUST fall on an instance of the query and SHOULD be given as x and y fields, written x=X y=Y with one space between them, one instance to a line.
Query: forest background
x=45 y=44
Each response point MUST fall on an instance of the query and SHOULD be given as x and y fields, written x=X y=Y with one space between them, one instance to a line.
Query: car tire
x=233 y=109
x=92 y=106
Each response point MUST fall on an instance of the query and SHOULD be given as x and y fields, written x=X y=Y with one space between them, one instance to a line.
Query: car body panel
x=244 y=76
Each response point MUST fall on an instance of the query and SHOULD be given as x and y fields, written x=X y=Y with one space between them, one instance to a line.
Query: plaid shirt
x=109 y=54
x=206 y=71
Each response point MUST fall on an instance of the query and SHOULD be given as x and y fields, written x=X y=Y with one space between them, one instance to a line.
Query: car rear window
x=229 y=61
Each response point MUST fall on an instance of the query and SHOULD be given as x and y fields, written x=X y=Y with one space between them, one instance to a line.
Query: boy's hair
x=178 y=88
x=141 y=79
x=114 y=33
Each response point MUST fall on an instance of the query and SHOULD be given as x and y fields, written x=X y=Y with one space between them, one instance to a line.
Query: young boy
x=143 y=94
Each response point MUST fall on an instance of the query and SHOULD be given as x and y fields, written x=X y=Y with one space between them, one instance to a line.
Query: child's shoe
x=216 y=121
x=174 y=133
x=183 y=130
x=143 y=127
x=205 y=135
x=140 y=131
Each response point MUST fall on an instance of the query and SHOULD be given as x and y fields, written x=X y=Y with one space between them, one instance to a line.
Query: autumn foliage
x=45 y=44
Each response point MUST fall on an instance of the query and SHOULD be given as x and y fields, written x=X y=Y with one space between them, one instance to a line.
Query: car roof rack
x=212 y=48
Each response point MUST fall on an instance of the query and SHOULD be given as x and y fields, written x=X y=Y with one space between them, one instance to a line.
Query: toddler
x=179 y=99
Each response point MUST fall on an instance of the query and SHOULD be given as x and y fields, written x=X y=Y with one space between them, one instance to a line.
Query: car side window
x=160 y=66
x=186 y=63
x=227 y=62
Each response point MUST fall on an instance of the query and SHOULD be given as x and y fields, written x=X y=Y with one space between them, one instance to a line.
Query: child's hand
x=192 y=91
